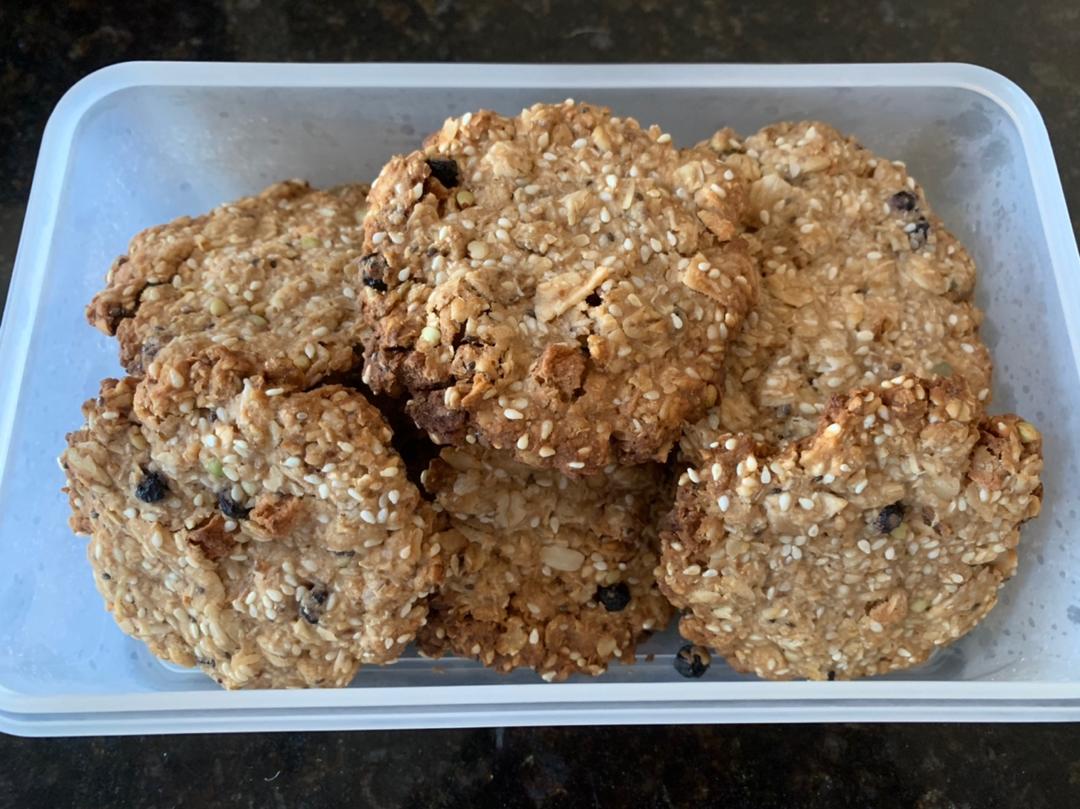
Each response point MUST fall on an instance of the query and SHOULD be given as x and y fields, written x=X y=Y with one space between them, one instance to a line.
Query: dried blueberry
x=692 y=661
x=917 y=235
x=445 y=171
x=374 y=268
x=311 y=605
x=889 y=518
x=614 y=597
x=151 y=488
x=903 y=201
x=230 y=508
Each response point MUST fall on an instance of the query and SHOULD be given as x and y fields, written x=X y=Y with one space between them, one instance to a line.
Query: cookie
x=266 y=283
x=859 y=549
x=560 y=285
x=544 y=572
x=273 y=541
x=861 y=282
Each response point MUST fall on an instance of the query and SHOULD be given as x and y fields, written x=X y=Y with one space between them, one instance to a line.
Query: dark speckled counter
x=47 y=47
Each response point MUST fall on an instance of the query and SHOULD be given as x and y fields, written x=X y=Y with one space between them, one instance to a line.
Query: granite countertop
x=48 y=47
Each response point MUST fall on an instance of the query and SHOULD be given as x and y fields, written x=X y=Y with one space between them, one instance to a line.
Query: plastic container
x=138 y=144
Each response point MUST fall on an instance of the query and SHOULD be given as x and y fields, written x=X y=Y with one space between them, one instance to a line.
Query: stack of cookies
x=550 y=380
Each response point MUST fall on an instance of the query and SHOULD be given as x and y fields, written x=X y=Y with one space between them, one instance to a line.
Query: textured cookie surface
x=861 y=548
x=560 y=285
x=270 y=279
x=544 y=571
x=861 y=282
x=273 y=542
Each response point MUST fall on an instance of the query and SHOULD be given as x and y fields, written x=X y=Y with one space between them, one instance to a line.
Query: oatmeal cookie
x=861 y=282
x=561 y=285
x=273 y=541
x=544 y=571
x=861 y=548
x=270 y=278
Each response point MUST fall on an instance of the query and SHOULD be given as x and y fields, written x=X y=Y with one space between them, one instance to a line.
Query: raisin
x=151 y=488
x=889 y=518
x=311 y=605
x=445 y=171
x=614 y=597
x=377 y=284
x=903 y=201
x=692 y=661
x=917 y=236
x=592 y=299
x=230 y=508
x=832 y=676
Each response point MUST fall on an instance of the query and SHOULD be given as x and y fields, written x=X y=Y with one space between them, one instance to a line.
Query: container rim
x=512 y=703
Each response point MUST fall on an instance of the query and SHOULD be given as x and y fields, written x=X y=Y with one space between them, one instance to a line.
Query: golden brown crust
x=544 y=572
x=861 y=548
x=860 y=282
x=274 y=541
x=563 y=229
x=265 y=285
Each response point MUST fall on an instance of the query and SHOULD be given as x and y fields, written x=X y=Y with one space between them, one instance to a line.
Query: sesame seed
x=546 y=452
x=723 y=502
x=784 y=501
x=292 y=462
x=368 y=517
x=523 y=441
x=576 y=465
x=275 y=391
x=512 y=414
x=864 y=546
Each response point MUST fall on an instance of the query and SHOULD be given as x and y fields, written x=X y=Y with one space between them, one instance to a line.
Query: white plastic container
x=138 y=144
